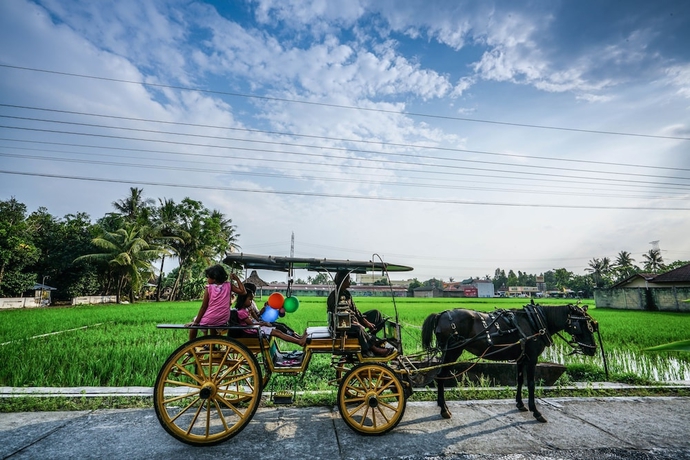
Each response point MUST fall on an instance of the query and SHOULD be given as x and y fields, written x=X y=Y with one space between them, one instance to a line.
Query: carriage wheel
x=207 y=391
x=371 y=399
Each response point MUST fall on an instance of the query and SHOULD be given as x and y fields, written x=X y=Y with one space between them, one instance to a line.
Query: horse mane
x=556 y=316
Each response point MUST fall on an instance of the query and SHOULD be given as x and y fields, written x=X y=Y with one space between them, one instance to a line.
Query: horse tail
x=428 y=328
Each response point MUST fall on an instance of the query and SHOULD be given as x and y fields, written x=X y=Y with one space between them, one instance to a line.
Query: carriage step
x=282 y=397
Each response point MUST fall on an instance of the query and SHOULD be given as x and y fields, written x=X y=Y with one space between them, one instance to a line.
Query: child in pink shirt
x=215 y=307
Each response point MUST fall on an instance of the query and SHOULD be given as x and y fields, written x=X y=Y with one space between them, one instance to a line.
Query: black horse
x=518 y=335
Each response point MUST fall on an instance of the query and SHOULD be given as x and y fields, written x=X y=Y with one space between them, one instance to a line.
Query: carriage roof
x=284 y=264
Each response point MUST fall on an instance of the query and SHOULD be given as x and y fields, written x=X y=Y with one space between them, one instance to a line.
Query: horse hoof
x=521 y=408
x=446 y=414
x=541 y=419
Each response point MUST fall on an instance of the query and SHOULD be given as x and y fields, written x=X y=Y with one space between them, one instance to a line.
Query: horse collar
x=537 y=319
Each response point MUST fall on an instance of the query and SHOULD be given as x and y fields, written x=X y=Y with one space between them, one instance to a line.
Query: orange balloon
x=276 y=300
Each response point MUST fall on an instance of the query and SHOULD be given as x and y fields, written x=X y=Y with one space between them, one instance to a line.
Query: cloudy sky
x=453 y=136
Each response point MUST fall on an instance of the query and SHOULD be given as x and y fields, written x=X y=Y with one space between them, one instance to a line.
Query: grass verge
x=328 y=398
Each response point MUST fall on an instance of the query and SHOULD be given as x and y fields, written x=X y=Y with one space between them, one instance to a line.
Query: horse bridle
x=575 y=318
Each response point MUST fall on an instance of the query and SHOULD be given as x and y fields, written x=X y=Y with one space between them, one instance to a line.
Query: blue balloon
x=269 y=315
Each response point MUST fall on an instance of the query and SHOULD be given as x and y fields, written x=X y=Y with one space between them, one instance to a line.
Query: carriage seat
x=319 y=332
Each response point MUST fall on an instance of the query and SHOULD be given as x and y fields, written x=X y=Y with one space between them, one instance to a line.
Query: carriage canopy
x=285 y=264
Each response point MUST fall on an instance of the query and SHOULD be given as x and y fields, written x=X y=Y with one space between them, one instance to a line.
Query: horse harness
x=535 y=317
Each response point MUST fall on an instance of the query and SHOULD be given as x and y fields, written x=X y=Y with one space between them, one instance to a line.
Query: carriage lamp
x=343 y=315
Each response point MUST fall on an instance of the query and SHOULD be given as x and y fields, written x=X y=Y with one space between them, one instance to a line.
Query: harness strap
x=486 y=330
x=537 y=319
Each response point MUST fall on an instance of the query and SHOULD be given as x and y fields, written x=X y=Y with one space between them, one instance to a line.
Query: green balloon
x=291 y=304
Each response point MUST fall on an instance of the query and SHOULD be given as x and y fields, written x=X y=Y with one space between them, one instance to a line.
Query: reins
x=524 y=338
x=537 y=320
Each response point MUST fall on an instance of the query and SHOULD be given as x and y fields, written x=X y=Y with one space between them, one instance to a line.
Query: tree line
x=123 y=253
x=601 y=273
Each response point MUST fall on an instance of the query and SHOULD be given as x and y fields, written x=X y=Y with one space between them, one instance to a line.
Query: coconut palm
x=222 y=233
x=600 y=269
x=135 y=208
x=128 y=255
x=196 y=247
x=653 y=261
x=167 y=230
x=624 y=265
x=202 y=237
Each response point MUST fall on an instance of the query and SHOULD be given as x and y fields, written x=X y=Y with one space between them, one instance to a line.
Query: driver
x=372 y=319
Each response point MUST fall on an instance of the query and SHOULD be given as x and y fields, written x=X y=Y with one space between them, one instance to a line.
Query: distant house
x=469 y=288
x=649 y=291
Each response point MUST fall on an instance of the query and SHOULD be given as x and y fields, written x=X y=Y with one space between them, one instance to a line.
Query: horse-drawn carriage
x=209 y=388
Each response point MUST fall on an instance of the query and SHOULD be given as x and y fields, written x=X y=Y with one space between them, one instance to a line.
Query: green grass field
x=119 y=345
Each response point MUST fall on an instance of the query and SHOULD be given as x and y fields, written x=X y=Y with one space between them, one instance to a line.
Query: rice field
x=119 y=345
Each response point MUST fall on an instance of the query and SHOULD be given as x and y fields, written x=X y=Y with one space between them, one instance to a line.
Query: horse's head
x=582 y=327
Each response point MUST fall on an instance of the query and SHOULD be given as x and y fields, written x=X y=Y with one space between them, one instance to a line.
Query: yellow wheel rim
x=371 y=399
x=207 y=391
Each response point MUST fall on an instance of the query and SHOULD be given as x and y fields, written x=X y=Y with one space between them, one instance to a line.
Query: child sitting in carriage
x=215 y=306
x=245 y=317
x=256 y=313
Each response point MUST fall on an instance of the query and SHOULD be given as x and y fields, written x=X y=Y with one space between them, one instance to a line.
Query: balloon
x=276 y=300
x=269 y=315
x=291 y=304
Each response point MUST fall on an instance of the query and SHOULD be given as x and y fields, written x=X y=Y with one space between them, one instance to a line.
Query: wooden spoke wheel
x=207 y=391
x=371 y=399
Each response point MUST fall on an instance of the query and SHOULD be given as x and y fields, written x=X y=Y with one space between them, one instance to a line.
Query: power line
x=417 y=164
x=343 y=149
x=344 y=196
x=282 y=161
x=338 y=106
x=314 y=178
x=361 y=141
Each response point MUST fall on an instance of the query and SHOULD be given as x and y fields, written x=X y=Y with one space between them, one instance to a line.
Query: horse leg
x=441 y=397
x=449 y=357
x=531 y=369
x=520 y=378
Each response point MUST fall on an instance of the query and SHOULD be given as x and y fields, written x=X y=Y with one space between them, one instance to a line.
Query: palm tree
x=624 y=265
x=653 y=261
x=204 y=236
x=599 y=268
x=128 y=255
x=194 y=248
x=135 y=208
x=167 y=231
x=223 y=233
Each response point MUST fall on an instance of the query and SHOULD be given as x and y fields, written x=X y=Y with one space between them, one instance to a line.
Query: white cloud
x=679 y=77
x=393 y=57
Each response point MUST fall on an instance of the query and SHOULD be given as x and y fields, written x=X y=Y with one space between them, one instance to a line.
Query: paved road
x=578 y=428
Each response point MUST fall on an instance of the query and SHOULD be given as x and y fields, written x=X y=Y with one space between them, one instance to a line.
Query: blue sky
x=456 y=137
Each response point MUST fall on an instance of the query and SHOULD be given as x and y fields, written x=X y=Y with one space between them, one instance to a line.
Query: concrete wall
x=662 y=299
x=19 y=302
x=94 y=299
